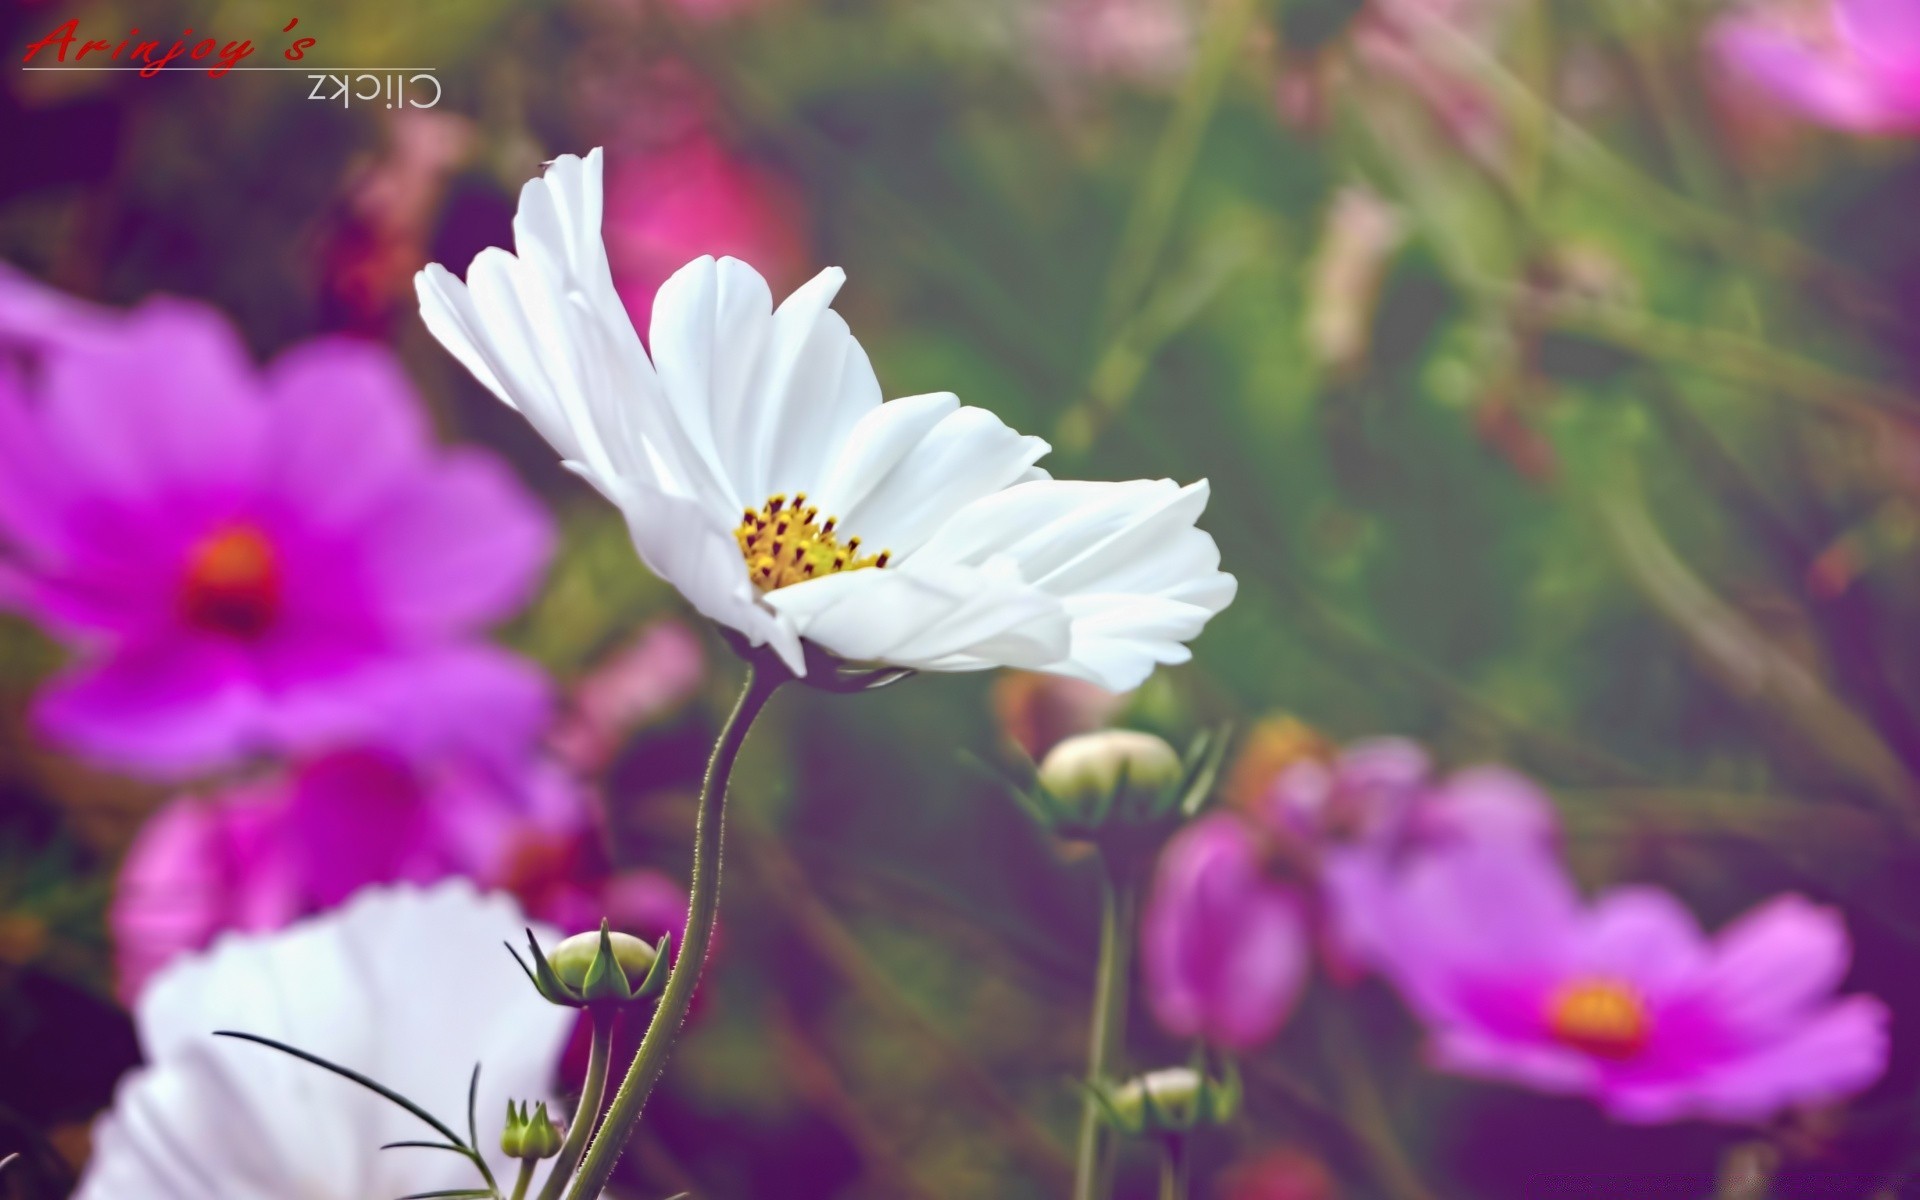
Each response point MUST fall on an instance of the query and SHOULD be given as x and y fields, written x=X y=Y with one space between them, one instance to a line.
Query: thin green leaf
x=424 y=1146
x=473 y=1130
x=378 y=1089
x=455 y=1194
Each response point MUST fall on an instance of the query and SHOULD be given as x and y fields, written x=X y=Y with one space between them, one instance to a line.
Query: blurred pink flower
x=655 y=672
x=1625 y=1000
x=669 y=205
x=1851 y=64
x=1148 y=42
x=262 y=854
x=1362 y=818
x=1225 y=948
x=1389 y=40
x=1240 y=897
x=377 y=234
x=249 y=559
x=1037 y=711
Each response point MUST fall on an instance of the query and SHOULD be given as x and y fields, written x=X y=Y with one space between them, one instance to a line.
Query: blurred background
x=1553 y=365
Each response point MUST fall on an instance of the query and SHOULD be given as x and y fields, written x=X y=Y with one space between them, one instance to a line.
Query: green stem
x=1173 y=1167
x=526 y=1178
x=1119 y=897
x=764 y=677
x=586 y=1115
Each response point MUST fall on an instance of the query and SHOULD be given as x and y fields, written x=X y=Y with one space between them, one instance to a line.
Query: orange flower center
x=787 y=543
x=1602 y=1017
x=233 y=582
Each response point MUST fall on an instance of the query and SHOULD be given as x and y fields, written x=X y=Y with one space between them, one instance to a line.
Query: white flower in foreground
x=762 y=476
x=409 y=987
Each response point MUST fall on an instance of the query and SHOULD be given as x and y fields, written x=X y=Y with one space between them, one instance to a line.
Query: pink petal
x=1883 y=32
x=167 y=710
x=1644 y=937
x=1224 y=950
x=1832 y=1055
x=347 y=428
x=1822 y=86
x=461 y=546
x=168 y=405
x=1773 y=964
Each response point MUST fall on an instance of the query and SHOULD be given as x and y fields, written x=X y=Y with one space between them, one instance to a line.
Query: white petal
x=546 y=332
x=684 y=544
x=910 y=464
x=938 y=617
x=710 y=322
x=814 y=385
x=407 y=986
x=1135 y=575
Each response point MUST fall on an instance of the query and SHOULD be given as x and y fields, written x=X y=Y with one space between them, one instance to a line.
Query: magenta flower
x=1856 y=67
x=249 y=560
x=1625 y=1000
x=1225 y=948
x=1363 y=818
x=260 y=855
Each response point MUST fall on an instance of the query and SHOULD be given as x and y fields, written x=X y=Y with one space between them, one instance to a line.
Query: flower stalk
x=1119 y=903
x=764 y=676
x=1173 y=1167
x=592 y=1093
x=525 y=1178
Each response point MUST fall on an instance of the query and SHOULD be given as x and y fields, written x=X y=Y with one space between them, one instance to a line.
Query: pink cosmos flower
x=1225 y=947
x=1853 y=64
x=669 y=205
x=1363 y=818
x=1240 y=899
x=262 y=854
x=1625 y=1000
x=248 y=559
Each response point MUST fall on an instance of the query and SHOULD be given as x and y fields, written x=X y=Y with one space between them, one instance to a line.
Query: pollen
x=787 y=541
x=1602 y=1017
x=232 y=583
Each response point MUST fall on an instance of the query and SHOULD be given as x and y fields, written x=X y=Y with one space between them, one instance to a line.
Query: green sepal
x=546 y=982
x=656 y=980
x=605 y=982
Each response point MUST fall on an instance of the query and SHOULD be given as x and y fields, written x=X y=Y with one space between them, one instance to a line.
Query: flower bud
x=1116 y=774
x=1171 y=1100
x=530 y=1138
x=600 y=969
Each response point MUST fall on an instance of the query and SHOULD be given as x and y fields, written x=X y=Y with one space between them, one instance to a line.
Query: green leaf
x=378 y=1089
x=423 y=1146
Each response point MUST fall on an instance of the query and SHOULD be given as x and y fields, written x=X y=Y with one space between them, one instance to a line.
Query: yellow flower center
x=232 y=583
x=786 y=543
x=1602 y=1017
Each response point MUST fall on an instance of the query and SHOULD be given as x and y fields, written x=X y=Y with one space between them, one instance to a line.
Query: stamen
x=783 y=543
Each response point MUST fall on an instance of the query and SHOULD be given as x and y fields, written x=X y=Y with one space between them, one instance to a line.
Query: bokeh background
x=1556 y=383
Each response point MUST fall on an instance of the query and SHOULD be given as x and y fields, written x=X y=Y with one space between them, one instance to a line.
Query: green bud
x=529 y=1138
x=599 y=969
x=1114 y=776
x=513 y=1134
x=541 y=1139
x=1172 y=1100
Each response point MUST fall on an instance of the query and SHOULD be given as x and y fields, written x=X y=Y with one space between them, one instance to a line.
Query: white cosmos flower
x=409 y=987
x=759 y=471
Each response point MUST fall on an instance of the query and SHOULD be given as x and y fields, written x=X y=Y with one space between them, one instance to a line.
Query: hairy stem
x=1119 y=897
x=587 y=1114
x=763 y=679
